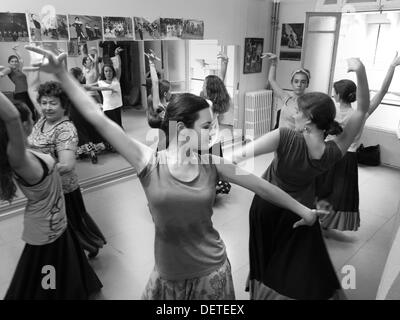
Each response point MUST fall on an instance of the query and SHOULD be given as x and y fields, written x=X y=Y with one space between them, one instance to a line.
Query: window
x=372 y=37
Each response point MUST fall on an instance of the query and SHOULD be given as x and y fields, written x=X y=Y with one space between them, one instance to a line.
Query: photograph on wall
x=171 y=29
x=146 y=30
x=13 y=27
x=291 y=41
x=193 y=29
x=253 y=49
x=85 y=28
x=47 y=26
x=118 y=28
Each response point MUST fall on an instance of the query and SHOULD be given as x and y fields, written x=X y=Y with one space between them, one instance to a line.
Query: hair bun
x=352 y=97
x=334 y=128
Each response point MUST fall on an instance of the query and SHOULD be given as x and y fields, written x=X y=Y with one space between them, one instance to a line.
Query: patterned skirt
x=339 y=187
x=218 y=285
x=74 y=278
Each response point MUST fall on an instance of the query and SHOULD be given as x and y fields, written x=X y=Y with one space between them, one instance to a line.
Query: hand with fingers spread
x=271 y=56
x=50 y=62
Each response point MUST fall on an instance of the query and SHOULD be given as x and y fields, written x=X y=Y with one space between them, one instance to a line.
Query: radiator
x=258 y=113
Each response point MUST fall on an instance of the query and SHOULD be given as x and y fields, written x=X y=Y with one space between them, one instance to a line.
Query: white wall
x=291 y=12
x=228 y=21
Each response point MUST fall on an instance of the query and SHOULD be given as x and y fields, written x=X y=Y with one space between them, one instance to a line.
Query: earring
x=306 y=129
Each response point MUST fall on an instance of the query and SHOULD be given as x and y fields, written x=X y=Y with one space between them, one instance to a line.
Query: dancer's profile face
x=336 y=96
x=198 y=137
x=299 y=83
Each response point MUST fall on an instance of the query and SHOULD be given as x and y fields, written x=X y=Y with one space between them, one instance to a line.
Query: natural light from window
x=373 y=37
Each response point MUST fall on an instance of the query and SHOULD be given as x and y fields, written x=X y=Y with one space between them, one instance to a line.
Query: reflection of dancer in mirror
x=160 y=95
x=190 y=256
x=300 y=79
x=54 y=133
x=49 y=240
x=90 y=141
x=214 y=89
x=339 y=185
x=287 y=263
x=13 y=71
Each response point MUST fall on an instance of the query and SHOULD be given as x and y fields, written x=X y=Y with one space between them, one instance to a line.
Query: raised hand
x=152 y=56
x=269 y=55
x=118 y=50
x=354 y=65
x=223 y=56
x=50 y=62
x=396 y=60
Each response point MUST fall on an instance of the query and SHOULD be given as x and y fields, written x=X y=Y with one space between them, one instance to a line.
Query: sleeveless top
x=19 y=80
x=292 y=168
x=186 y=243
x=288 y=110
x=44 y=219
x=62 y=136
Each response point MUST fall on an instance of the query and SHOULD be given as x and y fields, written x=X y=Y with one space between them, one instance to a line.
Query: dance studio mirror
x=184 y=63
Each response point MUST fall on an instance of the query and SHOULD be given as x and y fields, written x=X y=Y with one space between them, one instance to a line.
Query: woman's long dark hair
x=8 y=188
x=217 y=93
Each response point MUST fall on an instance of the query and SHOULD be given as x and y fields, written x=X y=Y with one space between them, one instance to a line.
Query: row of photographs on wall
x=49 y=26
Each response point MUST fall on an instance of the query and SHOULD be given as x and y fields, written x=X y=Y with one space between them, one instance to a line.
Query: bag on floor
x=369 y=156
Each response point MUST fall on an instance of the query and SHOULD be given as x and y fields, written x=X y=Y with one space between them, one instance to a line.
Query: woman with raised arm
x=90 y=71
x=287 y=263
x=111 y=88
x=215 y=90
x=50 y=249
x=13 y=71
x=300 y=79
x=339 y=185
x=190 y=256
x=55 y=133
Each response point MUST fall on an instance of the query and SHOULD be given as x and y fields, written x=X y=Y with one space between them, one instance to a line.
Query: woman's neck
x=344 y=105
x=54 y=122
x=315 y=142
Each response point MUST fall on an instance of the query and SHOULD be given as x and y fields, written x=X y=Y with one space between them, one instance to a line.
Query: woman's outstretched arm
x=377 y=99
x=135 y=152
x=273 y=58
x=265 y=190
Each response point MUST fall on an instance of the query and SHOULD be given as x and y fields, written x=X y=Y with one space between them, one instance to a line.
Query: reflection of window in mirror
x=372 y=37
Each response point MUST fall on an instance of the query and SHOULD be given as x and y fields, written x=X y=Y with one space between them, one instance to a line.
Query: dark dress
x=287 y=263
x=52 y=245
